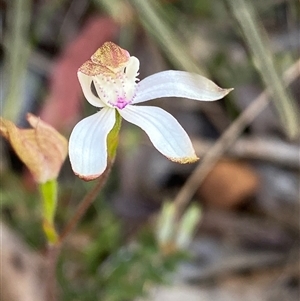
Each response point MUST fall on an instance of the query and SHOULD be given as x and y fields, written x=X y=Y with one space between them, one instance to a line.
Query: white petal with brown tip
x=87 y=144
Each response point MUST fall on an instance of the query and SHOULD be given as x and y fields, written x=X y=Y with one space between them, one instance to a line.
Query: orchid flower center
x=117 y=88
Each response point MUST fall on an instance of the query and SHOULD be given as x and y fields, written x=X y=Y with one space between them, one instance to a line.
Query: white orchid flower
x=113 y=73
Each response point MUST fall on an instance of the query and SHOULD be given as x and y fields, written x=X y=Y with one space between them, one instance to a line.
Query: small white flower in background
x=113 y=72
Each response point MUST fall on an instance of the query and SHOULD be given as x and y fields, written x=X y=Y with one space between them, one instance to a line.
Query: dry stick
x=226 y=140
x=257 y=148
x=84 y=205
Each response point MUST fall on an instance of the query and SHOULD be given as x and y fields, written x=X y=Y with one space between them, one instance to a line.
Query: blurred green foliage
x=107 y=269
x=21 y=209
x=102 y=266
x=115 y=273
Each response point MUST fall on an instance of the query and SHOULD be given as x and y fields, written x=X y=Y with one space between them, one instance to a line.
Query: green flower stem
x=113 y=138
x=49 y=197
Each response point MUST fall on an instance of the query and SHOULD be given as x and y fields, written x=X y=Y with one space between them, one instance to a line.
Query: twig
x=257 y=148
x=226 y=140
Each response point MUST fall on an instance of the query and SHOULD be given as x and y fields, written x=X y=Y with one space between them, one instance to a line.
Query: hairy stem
x=84 y=205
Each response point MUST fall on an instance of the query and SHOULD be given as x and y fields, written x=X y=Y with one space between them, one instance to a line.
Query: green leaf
x=16 y=55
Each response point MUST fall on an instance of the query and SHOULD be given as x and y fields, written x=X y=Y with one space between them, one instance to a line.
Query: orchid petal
x=183 y=84
x=85 y=82
x=87 y=145
x=164 y=131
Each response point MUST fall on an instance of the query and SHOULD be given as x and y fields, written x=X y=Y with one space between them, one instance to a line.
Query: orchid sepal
x=173 y=83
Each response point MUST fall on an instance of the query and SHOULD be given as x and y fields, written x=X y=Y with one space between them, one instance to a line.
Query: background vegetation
x=252 y=46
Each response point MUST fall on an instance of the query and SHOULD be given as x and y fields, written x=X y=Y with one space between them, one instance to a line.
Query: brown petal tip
x=87 y=178
x=185 y=160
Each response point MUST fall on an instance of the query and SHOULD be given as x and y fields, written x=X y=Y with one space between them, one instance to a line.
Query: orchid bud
x=175 y=235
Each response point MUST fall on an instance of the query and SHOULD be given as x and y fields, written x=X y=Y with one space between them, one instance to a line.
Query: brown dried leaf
x=42 y=149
